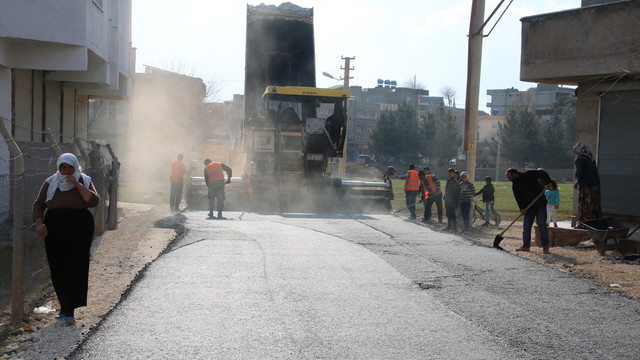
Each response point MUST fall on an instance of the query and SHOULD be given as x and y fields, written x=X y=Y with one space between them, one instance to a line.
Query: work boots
x=219 y=214
x=545 y=249
x=523 y=248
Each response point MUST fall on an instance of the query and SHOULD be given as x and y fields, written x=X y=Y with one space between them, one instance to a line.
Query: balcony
x=571 y=46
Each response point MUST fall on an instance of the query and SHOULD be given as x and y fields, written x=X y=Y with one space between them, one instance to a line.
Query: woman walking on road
x=62 y=218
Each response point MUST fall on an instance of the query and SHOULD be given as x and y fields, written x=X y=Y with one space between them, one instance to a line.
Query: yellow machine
x=291 y=145
x=292 y=132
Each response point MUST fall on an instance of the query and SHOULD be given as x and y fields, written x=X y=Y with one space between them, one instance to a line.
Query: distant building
x=488 y=127
x=166 y=119
x=540 y=98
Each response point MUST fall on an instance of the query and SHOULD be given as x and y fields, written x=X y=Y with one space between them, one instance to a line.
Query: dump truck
x=293 y=133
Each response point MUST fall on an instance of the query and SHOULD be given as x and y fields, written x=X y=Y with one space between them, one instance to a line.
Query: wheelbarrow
x=605 y=229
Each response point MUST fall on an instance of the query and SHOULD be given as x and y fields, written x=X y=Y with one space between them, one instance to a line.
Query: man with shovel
x=528 y=190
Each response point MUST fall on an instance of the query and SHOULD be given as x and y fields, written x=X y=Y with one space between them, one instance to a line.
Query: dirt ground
x=144 y=231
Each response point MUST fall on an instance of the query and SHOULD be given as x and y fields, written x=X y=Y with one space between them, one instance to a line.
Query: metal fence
x=23 y=263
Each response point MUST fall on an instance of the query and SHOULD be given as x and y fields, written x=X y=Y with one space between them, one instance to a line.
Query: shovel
x=406 y=207
x=496 y=241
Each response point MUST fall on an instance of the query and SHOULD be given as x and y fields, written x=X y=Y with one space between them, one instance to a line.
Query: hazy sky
x=394 y=40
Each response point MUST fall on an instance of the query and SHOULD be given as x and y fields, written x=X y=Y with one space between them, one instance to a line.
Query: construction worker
x=411 y=188
x=433 y=195
x=422 y=192
x=177 y=182
x=214 y=178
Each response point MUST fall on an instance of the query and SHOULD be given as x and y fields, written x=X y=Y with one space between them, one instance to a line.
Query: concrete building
x=596 y=48
x=167 y=118
x=488 y=127
x=540 y=98
x=365 y=106
x=55 y=57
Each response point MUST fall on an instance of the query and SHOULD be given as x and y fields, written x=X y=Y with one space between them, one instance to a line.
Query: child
x=553 y=200
x=488 y=199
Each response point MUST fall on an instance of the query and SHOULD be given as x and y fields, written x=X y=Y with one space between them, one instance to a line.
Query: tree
x=520 y=137
x=212 y=84
x=556 y=154
x=397 y=134
x=449 y=93
x=447 y=136
x=413 y=84
x=564 y=109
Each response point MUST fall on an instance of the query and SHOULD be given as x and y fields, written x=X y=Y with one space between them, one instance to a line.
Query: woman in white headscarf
x=588 y=183
x=62 y=218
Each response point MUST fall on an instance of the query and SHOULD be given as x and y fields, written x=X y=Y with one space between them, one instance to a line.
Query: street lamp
x=331 y=76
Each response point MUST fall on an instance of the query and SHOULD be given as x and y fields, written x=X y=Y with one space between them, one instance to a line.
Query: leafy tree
x=397 y=134
x=447 y=135
x=564 y=109
x=556 y=154
x=520 y=137
x=429 y=135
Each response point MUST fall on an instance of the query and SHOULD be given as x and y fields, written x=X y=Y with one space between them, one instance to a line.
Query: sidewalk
x=118 y=257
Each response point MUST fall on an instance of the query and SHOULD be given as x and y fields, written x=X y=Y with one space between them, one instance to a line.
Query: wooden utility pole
x=473 y=85
x=343 y=160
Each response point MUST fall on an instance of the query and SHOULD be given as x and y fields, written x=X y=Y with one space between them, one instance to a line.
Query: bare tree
x=413 y=84
x=212 y=84
x=449 y=93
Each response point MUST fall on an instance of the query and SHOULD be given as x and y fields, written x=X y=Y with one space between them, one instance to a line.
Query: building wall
x=54 y=55
x=167 y=118
x=541 y=98
x=571 y=46
x=595 y=47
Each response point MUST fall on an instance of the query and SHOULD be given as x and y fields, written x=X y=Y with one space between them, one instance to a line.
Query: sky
x=400 y=40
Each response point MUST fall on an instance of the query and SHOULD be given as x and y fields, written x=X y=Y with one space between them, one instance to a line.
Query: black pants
x=452 y=222
x=437 y=199
x=176 y=196
x=68 y=242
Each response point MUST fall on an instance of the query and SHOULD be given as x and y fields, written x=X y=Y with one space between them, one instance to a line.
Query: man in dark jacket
x=451 y=195
x=528 y=189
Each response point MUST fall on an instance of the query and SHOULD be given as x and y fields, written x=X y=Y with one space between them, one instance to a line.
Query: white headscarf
x=59 y=181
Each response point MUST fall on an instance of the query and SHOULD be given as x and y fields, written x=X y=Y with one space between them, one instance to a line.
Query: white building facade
x=55 y=56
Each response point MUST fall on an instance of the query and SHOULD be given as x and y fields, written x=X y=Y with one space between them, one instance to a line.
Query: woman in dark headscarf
x=588 y=184
x=67 y=228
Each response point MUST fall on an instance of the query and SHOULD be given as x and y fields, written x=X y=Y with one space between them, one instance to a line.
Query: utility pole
x=342 y=166
x=473 y=84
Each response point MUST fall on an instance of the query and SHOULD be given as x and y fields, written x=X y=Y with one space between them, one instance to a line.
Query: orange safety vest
x=432 y=184
x=412 y=183
x=214 y=170
x=177 y=172
x=424 y=189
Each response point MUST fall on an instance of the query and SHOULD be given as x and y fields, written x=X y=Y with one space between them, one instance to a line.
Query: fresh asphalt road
x=302 y=286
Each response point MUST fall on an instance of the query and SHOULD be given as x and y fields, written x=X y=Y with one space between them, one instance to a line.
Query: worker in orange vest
x=177 y=182
x=411 y=188
x=214 y=178
x=433 y=195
